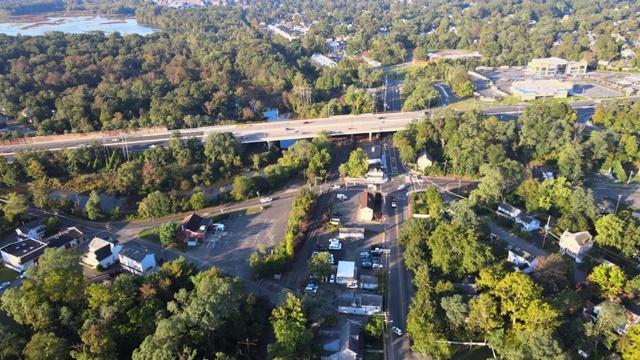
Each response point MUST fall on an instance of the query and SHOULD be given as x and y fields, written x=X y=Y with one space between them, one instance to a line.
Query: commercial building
x=541 y=89
x=323 y=60
x=554 y=66
x=346 y=272
x=359 y=304
x=453 y=55
x=366 y=206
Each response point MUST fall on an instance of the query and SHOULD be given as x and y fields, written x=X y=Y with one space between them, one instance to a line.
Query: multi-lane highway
x=272 y=131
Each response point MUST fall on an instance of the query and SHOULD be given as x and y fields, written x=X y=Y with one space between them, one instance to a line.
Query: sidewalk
x=516 y=241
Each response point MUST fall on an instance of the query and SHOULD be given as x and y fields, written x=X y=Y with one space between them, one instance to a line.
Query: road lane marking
x=258 y=234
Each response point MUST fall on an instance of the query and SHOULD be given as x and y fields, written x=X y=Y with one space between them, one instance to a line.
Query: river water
x=76 y=25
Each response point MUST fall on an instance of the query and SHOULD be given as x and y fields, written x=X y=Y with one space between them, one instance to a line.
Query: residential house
x=523 y=260
x=344 y=345
x=425 y=160
x=136 y=260
x=576 y=245
x=366 y=206
x=359 y=304
x=65 y=239
x=631 y=318
x=528 y=223
x=31 y=230
x=194 y=227
x=22 y=254
x=103 y=253
x=510 y=211
x=323 y=60
x=346 y=272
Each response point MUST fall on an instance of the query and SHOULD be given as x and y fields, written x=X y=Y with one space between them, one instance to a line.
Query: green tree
x=197 y=201
x=552 y=273
x=243 y=188
x=45 y=346
x=167 y=233
x=610 y=229
x=602 y=331
x=374 y=326
x=15 y=207
x=223 y=150
x=155 y=205
x=631 y=350
x=610 y=280
x=92 y=208
x=357 y=165
x=516 y=291
x=320 y=265
x=289 y=325
x=483 y=315
x=455 y=309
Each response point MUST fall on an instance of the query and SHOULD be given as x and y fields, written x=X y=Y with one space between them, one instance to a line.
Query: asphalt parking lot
x=594 y=91
x=230 y=250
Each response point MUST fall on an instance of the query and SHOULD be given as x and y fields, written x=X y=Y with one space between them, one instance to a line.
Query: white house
x=31 y=230
x=346 y=272
x=22 y=254
x=345 y=346
x=510 y=211
x=576 y=245
x=528 y=223
x=359 y=304
x=136 y=260
x=102 y=252
x=523 y=260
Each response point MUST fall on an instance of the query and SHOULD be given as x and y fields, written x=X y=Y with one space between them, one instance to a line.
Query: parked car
x=335 y=221
x=115 y=140
x=401 y=187
x=335 y=186
x=266 y=200
x=332 y=279
x=331 y=259
x=311 y=289
x=341 y=197
x=396 y=330
x=22 y=276
x=335 y=245
x=352 y=285
x=364 y=255
x=4 y=285
x=366 y=264
x=394 y=202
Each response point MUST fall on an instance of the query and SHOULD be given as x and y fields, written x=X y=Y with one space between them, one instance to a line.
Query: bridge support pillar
x=370 y=134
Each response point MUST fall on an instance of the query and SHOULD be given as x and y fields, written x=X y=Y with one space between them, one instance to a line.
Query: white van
x=335 y=221
x=341 y=197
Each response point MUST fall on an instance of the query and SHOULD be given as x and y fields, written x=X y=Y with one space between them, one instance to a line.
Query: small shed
x=366 y=206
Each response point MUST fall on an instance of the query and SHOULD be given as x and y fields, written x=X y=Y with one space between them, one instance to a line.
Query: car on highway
x=115 y=140
x=4 y=285
x=381 y=117
x=266 y=200
x=397 y=330
x=335 y=187
x=402 y=187
x=335 y=245
x=307 y=122
x=288 y=129
x=371 y=186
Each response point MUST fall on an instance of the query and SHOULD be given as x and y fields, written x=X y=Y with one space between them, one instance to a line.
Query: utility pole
x=617 y=204
x=546 y=231
x=248 y=343
x=384 y=101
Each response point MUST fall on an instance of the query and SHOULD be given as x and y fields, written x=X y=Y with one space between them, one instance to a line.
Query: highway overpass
x=341 y=125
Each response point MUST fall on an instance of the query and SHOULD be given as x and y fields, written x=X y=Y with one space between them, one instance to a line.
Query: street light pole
x=617 y=204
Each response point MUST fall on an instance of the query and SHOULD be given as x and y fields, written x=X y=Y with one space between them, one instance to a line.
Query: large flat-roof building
x=22 y=254
x=541 y=89
x=554 y=66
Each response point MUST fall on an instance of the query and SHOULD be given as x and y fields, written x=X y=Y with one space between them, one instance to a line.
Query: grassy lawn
x=150 y=234
x=419 y=203
x=7 y=274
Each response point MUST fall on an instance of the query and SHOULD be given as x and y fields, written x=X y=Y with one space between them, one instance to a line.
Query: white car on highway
x=266 y=200
x=334 y=187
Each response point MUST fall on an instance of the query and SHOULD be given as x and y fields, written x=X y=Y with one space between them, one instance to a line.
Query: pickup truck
x=394 y=202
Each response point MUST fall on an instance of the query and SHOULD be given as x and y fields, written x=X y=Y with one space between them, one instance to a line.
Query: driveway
x=516 y=241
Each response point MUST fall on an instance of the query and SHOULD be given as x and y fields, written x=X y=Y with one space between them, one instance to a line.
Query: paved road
x=272 y=131
x=516 y=241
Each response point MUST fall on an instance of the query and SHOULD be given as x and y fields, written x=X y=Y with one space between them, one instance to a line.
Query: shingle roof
x=134 y=252
x=192 y=222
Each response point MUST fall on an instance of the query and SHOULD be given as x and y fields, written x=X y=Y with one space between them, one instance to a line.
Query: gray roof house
x=345 y=344
x=136 y=259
